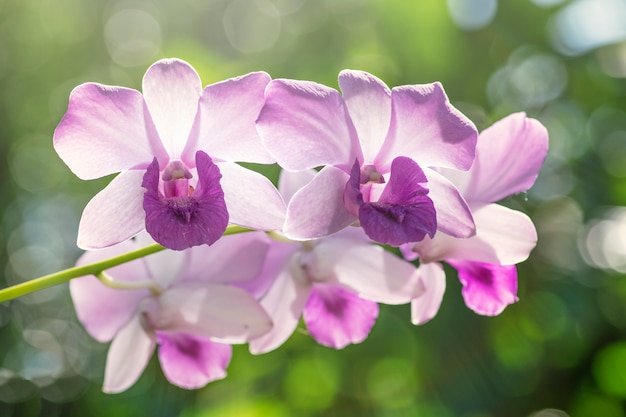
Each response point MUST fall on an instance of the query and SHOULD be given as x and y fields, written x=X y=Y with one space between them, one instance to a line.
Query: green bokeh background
x=560 y=351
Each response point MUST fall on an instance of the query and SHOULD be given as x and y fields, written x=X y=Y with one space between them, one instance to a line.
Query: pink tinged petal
x=235 y=259
x=403 y=213
x=337 y=317
x=128 y=356
x=103 y=310
x=181 y=222
x=318 y=210
x=191 y=362
x=251 y=199
x=284 y=300
x=427 y=128
x=509 y=156
x=290 y=182
x=370 y=271
x=226 y=127
x=453 y=214
x=426 y=306
x=113 y=215
x=171 y=89
x=305 y=125
x=106 y=130
x=369 y=102
x=218 y=312
x=487 y=288
x=503 y=236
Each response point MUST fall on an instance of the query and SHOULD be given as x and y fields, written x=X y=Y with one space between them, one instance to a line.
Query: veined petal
x=428 y=129
x=426 y=306
x=251 y=199
x=284 y=302
x=218 y=312
x=503 y=236
x=305 y=125
x=403 y=213
x=317 y=209
x=113 y=215
x=103 y=310
x=337 y=317
x=290 y=182
x=226 y=127
x=509 y=156
x=106 y=130
x=487 y=288
x=369 y=102
x=453 y=214
x=232 y=259
x=128 y=356
x=171 y=89
x=179 y=223
x=191 y=362
x=369 y=270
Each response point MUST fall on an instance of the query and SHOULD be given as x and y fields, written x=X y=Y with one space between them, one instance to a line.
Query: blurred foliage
x=560 y=351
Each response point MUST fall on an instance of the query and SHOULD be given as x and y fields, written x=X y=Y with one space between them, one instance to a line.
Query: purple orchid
x=175 y=147
x=377 y=147
x=509 y=156
x=191 y=304
x=334 y=283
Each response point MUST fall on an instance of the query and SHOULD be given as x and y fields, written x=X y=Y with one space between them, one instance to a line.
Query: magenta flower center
x=176 y=178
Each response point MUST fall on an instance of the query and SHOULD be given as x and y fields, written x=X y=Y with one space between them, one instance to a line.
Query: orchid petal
x=403 y=213
x=337 y=317
x=454 y=217
x=233 y=259
x=182 y=222
x=227 y=115
x=369 y=102
x=218 y=312
x=290 y=182
x=426 y=306
x=317 y=209
x=369 y=270
x=509 y=156
x=503 y=236
x=284 y=301
x=191 y=362
x=127 y=357
x=113 y=215
x=251 y=199
x=305 y=125
x=106 y=130
x=487 y=288
x=427 y=128
x=171 y=89
x=103 y=311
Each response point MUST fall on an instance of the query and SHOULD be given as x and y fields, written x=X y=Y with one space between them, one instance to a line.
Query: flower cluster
x=364 y=167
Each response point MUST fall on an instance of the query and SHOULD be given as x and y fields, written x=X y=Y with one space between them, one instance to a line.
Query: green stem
x=92 y=269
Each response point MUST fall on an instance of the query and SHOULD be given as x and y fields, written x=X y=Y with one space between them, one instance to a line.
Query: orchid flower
x=509 y=156
x=334 y=283
x=175 y=148
x=193 y=304
x=377 y=147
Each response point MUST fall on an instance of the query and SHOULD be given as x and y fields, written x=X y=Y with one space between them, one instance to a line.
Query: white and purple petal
x=305 y=125
x=191 y=362
x=337 y=317
x=106 y=130
x=426 y=306
x=428 y=129
x=225 y=128
x=113 y=215
x=487 y=288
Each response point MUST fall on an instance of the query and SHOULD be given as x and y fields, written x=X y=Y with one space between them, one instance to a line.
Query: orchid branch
x=96 y=269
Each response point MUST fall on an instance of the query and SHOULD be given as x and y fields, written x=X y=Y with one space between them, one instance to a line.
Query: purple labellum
x=184 y=217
